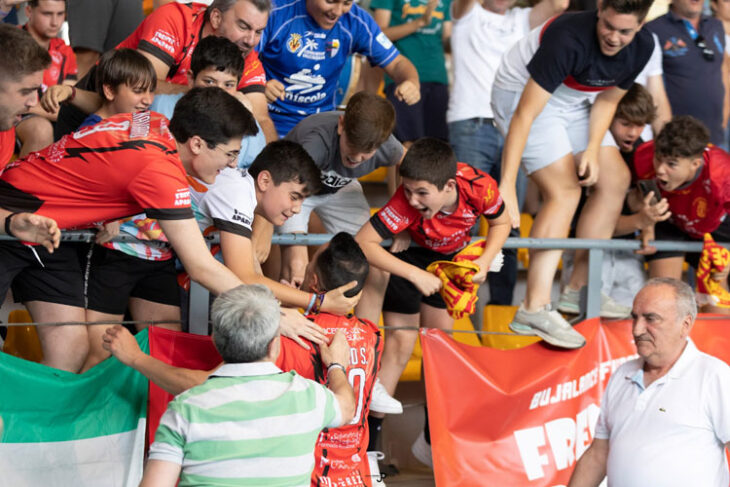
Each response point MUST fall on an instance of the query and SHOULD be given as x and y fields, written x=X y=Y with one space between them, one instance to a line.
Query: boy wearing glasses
x=693 y=48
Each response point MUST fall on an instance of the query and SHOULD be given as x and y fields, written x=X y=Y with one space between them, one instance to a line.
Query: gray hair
x=245 y=320
x=224 y=5
x=685 y=301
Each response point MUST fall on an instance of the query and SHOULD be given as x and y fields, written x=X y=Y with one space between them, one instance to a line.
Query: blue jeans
x=477 y=142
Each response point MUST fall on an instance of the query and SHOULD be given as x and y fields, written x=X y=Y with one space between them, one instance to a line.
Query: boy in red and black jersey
x=694 y=177
x=122 y=166
x=437 y=204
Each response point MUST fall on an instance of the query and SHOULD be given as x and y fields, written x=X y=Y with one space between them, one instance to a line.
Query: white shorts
x=347 y=210
x=557 y=131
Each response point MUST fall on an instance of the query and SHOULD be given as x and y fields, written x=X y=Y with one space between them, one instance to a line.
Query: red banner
x=523 y=417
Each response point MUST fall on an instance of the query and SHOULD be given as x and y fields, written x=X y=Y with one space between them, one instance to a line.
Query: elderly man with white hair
x=250 y=423
x=664 y=416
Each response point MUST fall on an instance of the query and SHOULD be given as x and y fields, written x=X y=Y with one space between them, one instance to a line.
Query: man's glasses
x=232 y=155
x=707 y=51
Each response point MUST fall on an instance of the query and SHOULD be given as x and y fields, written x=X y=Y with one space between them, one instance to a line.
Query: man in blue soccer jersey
x=304 y=47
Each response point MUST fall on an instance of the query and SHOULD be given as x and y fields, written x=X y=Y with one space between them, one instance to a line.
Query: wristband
x=7 y=224
x=311 y=304
x=318 y=304
x=73 y=95
x=336 y=366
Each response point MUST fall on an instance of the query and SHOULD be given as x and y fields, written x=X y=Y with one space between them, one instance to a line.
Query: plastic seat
x=497 y=318
x=412 y=372
x=22 y=341
x=377 y=176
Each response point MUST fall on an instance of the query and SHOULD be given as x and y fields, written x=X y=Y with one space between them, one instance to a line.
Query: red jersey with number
x=124 y=165
x=7 y=147
x=340 y=455
x=171 y=33
x=446 y=232
x=700 y=207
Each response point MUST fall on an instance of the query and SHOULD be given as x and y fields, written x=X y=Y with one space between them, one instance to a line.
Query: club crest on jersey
x=700 y=207
x=294 y=42
x=333 y=47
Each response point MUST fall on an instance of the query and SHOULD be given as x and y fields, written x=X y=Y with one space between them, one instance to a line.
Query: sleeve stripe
x=494 y=215
x=230 y=227
x=169 y=213
x=380 y=227
x=156 y=51
x=255 y=88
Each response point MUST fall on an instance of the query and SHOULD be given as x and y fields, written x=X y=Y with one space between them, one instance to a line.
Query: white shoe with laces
x=382 y=402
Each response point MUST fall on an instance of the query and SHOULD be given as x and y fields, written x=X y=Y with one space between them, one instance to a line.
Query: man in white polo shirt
x=664 y=416
x=207 y=436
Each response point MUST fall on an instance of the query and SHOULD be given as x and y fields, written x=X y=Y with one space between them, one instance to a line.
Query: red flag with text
x=523 y=417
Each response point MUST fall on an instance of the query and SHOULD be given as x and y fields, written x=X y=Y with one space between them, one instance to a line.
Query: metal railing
x=198 y=306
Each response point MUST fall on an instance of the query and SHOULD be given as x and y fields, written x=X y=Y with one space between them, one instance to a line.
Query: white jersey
x=228 y=204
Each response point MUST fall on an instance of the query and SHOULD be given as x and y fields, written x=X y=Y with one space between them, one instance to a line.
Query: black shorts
x=99 y=25
x=402 y=296
x=112 y=277
x=36 y=275
x=667 y=231
x=427 y=118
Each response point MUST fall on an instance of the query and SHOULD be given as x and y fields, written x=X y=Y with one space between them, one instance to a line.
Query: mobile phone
x=646 y=186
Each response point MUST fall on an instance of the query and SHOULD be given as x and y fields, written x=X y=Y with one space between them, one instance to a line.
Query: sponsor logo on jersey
x=140 y=125
x=334 y=180
x=239 y=216
x=305 y=86
x=699 y=205
x=384 y=41
x=675 y=47
x=182 y=197
x=391 y=218
x=164 y=40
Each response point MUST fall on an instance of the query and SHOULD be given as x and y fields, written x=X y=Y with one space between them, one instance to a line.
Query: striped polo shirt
x=248 y=424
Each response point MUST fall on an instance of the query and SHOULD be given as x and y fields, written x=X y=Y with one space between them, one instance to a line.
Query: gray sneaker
x=548 y=325
x=570 y=303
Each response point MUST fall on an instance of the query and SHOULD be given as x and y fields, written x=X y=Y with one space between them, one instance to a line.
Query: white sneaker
x=548 y=325
x=376 y=477
x=422 y=450
x=570 y=303
x=382 y=402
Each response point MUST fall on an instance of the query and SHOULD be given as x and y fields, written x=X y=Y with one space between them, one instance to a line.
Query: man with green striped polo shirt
x=249 y=423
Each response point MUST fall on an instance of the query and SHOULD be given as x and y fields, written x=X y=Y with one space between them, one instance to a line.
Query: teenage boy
x=561 y=85
x=304 y=48
x=45 y=18
x=122 y=166
x=340 y=455
x=344 y=146
x=693 y=177
x=438 y=203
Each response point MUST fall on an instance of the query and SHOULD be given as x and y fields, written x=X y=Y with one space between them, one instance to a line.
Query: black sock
x=426 y=429
x=375 y=425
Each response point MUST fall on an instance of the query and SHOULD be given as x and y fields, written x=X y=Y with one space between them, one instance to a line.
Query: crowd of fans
x=222 y=117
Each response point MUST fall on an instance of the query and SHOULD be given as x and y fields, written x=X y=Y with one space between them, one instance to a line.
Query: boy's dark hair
x=683 y=136
x=213 y=115
x=341 y=262
x=431 y=160
x=636 y=106
x=368 y=121
x=637 y=7
x=125 y=67
x=20 y=54
x=287 y=161
x=224 y=5
x=219 y=53
x=34 y=3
